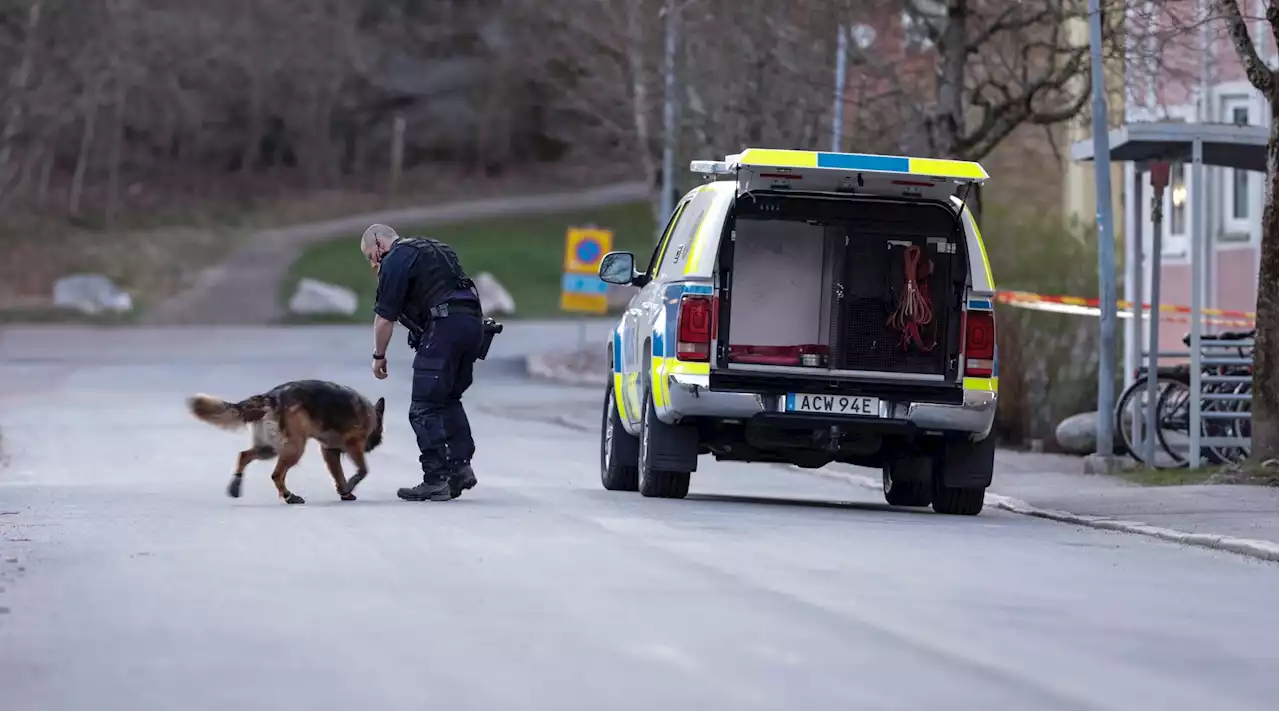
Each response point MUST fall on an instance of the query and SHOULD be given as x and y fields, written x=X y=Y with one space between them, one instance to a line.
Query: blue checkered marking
x=617 y=349
x=583 y=284
x=848 y=161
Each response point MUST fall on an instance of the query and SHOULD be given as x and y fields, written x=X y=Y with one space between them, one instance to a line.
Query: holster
x=489 y=329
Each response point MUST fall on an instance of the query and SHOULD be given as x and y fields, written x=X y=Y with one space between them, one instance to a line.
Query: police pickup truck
x=806 y=308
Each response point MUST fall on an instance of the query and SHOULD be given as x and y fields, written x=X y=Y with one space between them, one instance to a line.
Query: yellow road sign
x=584 y=303
x=584 y=247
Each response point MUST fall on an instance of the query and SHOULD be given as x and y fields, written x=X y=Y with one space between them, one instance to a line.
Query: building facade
x=1199 y=78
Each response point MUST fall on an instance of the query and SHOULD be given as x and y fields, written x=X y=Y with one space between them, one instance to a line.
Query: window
x=1238 y=194
x=1178 y=199
x=676 y=252
x=658 y=249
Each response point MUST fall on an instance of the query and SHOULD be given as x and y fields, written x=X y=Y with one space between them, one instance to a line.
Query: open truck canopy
x=860 y=174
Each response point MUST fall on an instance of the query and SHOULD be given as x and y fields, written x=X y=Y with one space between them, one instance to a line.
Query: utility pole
x=837 y=110
x=1106 y=241
x=666 y=200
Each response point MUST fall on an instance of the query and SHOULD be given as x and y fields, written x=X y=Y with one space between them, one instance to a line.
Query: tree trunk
x=82 y=159
x=116 y=149
x=253 y=130
x=18 y=81
x=1266 y=425
x=46 y=173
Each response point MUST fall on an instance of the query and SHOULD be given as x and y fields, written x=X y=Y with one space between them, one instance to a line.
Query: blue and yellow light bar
x=864 y=162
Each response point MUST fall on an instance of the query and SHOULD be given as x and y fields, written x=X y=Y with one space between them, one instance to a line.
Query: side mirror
x=618 y=268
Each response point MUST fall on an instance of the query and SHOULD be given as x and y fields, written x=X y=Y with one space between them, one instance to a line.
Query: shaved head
x=375 y=242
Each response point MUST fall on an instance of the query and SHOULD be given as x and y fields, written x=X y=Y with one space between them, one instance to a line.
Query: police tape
x=1090 y=307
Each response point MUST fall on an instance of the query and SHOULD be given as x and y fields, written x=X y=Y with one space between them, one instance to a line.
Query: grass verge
x=1168 y=477
x=525 y=254
x=1248 y=474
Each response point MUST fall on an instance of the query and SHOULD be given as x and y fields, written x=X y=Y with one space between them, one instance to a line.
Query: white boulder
x=314 y=297
x=90 y=294
x=1078 y=434
x=494 y=297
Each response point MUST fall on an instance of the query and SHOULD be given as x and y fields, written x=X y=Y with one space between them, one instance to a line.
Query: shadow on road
x=805 y=503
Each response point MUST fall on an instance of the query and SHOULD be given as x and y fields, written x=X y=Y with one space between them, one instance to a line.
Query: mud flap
x=673 y=448
x=965 y=464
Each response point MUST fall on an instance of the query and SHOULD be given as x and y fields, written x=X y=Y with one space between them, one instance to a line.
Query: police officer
x=422 y=286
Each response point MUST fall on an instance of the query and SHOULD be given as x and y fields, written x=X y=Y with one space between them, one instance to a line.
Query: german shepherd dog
x=281 y=421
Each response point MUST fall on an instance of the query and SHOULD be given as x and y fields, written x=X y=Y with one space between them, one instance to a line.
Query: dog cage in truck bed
x=845 y=264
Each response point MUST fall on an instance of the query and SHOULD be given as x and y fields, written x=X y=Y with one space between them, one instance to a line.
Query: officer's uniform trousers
x=442 y=372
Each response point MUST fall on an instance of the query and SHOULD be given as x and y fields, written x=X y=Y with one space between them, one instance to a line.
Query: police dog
x=281 y=421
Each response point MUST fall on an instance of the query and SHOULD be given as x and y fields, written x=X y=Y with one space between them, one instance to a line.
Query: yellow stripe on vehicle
x=657 y=381
x=679 y=367
x=779 y=158
x=631 y=381
x=987 y=384
x=982 y=250
x=619 y=400
x=940 y=168
x=660 y=371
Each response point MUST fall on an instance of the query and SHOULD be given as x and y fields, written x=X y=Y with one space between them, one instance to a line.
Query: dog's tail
x=228 y=415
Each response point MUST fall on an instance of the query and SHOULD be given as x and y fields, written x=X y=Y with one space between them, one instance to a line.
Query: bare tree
x=1266 y=423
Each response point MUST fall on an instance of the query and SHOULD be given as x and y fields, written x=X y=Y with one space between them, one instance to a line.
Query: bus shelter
x=1151 y=147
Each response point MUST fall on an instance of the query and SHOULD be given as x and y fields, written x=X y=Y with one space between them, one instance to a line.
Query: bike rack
x=1211 y=354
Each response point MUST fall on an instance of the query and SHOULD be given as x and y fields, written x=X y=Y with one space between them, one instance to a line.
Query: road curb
x=542 y=366
x=1253 y=548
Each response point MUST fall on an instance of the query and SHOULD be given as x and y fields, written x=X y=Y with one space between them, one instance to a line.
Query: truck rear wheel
x=619 y=451
x=907 y=481
x=962 y=472
x=657 y=439
x=956 y=501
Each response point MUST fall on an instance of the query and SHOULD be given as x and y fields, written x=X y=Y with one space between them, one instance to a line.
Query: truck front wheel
x=619 y=451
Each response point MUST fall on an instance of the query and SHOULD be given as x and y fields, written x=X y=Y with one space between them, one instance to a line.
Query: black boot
x=462 y=478
x=427 y=491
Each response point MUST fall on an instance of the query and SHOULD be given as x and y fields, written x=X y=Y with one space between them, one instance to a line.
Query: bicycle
x=1225 y=417
x=1131 y=413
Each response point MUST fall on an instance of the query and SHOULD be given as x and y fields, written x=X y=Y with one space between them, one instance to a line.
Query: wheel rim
x=643 y=459
x=608 y=431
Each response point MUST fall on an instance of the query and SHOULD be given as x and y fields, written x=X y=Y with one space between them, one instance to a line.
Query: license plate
x=834 y=404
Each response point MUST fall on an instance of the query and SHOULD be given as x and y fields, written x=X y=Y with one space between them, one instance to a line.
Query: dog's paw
x=354 y=481
x=233 y=489
x=294 y=499
x=348 y=496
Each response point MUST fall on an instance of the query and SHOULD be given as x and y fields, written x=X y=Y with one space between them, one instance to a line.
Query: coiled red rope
x=915 y=308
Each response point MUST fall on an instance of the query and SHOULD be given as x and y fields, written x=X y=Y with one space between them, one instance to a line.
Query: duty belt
x=463 y=308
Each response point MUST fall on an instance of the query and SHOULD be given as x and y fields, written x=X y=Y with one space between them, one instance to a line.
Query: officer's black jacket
x=415 y=276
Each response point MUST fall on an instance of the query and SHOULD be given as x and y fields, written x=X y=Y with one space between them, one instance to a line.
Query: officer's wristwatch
x=379 y=357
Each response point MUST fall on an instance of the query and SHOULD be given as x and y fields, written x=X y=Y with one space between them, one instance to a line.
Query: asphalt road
x=129 y=580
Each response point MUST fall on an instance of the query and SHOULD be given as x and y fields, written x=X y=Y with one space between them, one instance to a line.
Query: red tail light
x=979 y=344
x=696 y=327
